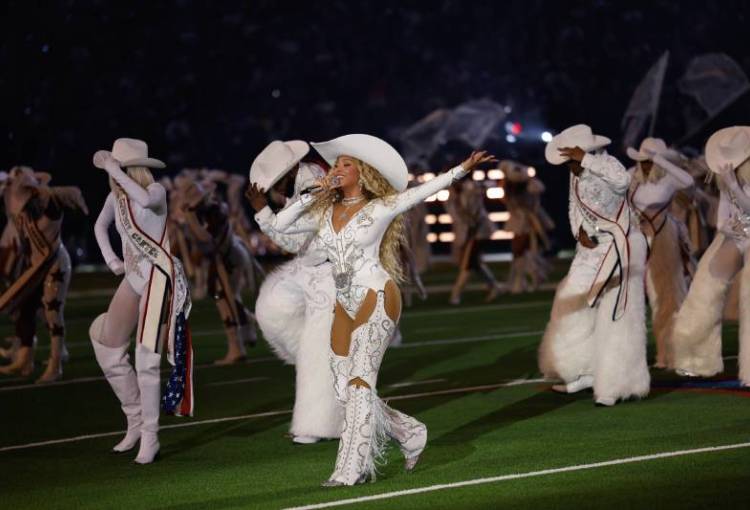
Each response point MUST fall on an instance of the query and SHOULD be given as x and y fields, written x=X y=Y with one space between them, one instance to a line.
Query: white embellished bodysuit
x=734 y=215
x=354 y=251
x=149 y=207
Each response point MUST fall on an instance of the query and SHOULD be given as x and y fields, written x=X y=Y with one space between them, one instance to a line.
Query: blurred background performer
x=36 y=212
x=207 y=219
x=472 y=229
x=529 y=223
x=596 y=335
x=654 y=183
x=152 y=297
x=295 y=301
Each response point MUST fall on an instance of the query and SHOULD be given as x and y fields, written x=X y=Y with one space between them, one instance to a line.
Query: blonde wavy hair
x=374 y=186
x=140 y=174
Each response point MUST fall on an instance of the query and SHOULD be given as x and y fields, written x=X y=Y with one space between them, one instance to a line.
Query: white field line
x=448 y=341
x=407 y=384
x=517 y=476
x=78 y=380
x=469 y=389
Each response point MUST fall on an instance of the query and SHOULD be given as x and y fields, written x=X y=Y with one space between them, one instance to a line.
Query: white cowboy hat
x=579 y=135
x=275 y=161
x=131 y=152
x=728 y=146
x=651 y=147
x=377 y=153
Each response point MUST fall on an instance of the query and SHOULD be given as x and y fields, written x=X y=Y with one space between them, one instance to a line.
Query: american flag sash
x=166 y=312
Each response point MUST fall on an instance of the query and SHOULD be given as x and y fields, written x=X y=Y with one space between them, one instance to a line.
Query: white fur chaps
x=580 y=340
x=295 y=312
x=697 y=330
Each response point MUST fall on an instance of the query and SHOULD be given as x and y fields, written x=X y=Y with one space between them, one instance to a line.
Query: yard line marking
x=478 y=308
x=407 y=384
x=469 y=389
x=78 y=380
x=467 y=339
x=236 y=381
x=447 y=341
x=517 y=476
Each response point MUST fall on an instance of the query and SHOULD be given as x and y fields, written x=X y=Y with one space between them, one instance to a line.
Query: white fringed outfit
x=597 y=327
x=354 y=253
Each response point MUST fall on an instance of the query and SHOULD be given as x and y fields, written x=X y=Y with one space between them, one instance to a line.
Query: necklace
x=348 y=203
x=352 y=200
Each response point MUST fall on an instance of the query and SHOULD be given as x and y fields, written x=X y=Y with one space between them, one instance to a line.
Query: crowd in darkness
x=210 y=83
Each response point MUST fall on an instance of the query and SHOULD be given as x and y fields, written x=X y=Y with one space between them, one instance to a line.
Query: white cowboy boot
x=409 y=433
x=583 y=382
x=354 y=462
x=149 y=381
x=115 y=363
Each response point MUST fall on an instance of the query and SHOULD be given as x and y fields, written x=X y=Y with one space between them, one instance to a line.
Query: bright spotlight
x=510 y=138
x=546 y=137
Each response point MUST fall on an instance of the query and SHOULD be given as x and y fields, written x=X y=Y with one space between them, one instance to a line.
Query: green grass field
x=469 y=373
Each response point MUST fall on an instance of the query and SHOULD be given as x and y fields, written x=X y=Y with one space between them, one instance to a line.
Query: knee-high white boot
x=147 y=371
x=408 y=432
x=115 y=363
x=355 y=461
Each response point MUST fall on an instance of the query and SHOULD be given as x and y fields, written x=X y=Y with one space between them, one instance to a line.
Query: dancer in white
x=697 y=330
x=360 y=226
x=153 y=296
x=654 y=182
x=596 y=336
x=295 y=301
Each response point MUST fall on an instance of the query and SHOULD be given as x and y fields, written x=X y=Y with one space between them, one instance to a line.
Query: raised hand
x=574 y=153
x=477 y=158
x=103 y=159
x=256 y=196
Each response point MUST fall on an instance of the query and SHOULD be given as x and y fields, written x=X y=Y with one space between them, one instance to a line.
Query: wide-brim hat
x=275 y=161
x=131 y=152
x=377 y=153
x=651 y=147
x=579 y=135
x=728 y=146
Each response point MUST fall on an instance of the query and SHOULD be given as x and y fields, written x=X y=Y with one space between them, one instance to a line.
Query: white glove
x=116 y=266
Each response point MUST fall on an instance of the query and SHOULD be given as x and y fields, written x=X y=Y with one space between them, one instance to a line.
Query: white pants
x=581 y=340
x=295 y=313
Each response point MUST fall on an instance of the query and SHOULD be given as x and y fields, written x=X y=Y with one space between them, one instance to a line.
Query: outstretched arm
x=413 y=196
